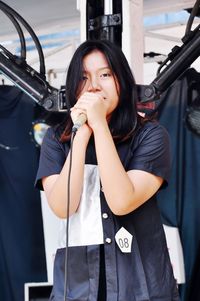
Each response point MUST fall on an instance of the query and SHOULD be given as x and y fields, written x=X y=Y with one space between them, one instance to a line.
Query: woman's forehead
x=95 y=60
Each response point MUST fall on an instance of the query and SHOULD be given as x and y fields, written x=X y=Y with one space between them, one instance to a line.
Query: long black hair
x=124 y=118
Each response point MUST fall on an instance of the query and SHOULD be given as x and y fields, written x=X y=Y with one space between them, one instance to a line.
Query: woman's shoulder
x=54 y=131
x=154 y=129
x=52 y=137
x=153 y=125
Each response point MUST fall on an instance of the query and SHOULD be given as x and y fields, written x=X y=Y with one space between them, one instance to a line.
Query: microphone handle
x=82 y=118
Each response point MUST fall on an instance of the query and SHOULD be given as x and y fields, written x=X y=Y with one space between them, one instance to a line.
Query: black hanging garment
x=22 y=252
x=180 y=202
x=194 y=291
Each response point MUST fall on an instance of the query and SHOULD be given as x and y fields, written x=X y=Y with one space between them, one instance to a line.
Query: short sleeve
x=151 y=152
x=52 y=157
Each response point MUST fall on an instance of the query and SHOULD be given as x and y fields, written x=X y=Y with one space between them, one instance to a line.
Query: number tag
x=124 y=240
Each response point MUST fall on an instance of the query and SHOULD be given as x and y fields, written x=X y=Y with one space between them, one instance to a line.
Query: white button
x=105 y=215
x=108 y=240
x=101 y=188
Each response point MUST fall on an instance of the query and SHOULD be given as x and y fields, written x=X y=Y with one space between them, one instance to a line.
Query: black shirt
x=145 y=272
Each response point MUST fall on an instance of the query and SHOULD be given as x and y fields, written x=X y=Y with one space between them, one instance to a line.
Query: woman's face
x=98 y=78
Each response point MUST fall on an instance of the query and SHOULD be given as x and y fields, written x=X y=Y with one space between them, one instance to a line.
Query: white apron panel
x=85 y=225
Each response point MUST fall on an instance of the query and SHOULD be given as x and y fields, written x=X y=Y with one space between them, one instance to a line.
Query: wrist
x=101 y=128
x=83 y=134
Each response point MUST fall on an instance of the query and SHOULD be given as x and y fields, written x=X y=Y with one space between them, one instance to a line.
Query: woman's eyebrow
x=100 y=69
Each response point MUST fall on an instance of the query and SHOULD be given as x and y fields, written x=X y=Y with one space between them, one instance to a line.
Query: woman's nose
x=94 y=85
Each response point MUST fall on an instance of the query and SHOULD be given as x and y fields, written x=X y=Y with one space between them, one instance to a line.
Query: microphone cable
x=66 y=276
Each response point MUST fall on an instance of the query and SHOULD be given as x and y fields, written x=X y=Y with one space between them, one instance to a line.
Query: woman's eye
x=84 y=77
x=106 y=74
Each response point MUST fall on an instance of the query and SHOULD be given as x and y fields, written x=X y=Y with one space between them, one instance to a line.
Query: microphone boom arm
x=31 y=82
x=181 y=58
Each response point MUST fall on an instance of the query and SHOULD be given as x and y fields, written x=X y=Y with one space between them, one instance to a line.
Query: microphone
x=82 y=118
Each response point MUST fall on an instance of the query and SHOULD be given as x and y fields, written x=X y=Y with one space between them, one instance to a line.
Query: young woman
x=117 y=249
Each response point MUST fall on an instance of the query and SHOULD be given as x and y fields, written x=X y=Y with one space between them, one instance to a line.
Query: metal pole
x=108 y=7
